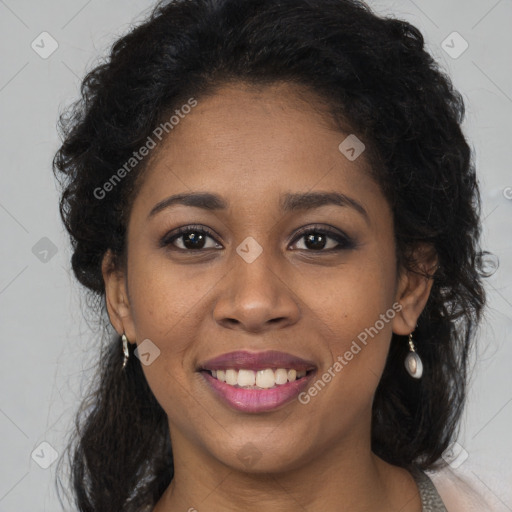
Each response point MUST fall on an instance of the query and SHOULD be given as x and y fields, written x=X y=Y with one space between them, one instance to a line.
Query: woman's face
x=255 y=282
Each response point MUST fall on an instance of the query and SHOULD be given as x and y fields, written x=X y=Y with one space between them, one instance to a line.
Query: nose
x=255 y=298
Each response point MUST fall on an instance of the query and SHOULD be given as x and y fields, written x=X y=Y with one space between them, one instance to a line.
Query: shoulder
x=474 y=486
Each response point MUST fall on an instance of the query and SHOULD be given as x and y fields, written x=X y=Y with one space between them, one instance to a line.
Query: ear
x=116 y=296
x=414 y=288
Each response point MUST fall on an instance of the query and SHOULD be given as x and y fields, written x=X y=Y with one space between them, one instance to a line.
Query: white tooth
x=246 y=378
x=221 y=375
x=281 y=376
x=265 y=378
x=292 y=375
x=214 y=373
x=231 y=377
x=301 y=373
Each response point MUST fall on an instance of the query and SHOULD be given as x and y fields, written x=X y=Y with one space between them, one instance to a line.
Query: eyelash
x=344 y=241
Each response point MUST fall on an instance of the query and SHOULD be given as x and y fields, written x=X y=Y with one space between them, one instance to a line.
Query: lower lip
x=257 y=400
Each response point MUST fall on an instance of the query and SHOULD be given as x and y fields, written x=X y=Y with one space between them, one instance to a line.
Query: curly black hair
x=377 y=78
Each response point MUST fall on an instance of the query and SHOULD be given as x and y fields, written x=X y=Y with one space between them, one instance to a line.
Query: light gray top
x=430 y=499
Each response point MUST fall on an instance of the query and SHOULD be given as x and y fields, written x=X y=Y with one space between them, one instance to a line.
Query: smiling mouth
x=268 y=378
x=256 y=382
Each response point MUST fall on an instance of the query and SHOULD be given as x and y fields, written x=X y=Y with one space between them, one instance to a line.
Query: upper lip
x=257 y=361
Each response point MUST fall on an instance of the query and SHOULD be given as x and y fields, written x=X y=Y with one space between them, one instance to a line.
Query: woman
x=277 y=207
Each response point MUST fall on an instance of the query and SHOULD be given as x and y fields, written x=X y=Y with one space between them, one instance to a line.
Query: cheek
x=350 y=298
x=164 y=297
x=353 y=311
x=165 y=307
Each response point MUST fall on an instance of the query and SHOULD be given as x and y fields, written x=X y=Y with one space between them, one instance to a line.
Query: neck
x=346 y=477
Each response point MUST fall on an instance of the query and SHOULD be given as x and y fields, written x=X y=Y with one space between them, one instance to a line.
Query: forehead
x=251 y=143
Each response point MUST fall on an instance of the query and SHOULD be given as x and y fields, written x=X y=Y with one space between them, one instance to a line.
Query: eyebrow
x=288 y=202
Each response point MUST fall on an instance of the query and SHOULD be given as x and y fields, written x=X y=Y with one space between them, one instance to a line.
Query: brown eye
x=323 y=240
x=190 y=238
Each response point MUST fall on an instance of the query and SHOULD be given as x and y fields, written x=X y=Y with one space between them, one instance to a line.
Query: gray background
x=48 y=348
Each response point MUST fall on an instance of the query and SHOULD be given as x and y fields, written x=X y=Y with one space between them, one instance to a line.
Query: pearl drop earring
x=413 y=363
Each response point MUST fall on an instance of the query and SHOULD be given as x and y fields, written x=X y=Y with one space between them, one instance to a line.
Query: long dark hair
x=378 y=79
